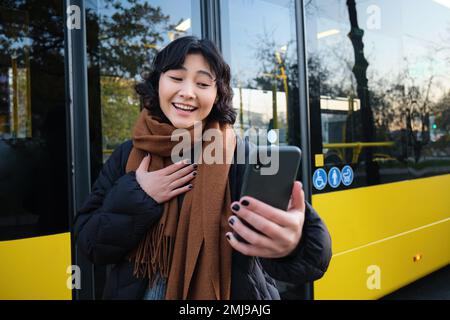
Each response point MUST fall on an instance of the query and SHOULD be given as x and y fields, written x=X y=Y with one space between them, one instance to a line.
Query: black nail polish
x=228 y=236
x=190 y=186
x=231 y=221
x=195 y=173
x=195 y=166
x=235 y=207
x=244 y=203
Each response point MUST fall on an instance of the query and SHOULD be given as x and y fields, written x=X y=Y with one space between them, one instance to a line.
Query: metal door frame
x=77 y=132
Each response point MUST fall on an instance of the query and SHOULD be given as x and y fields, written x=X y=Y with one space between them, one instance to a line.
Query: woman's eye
x=203 y=85
x=175 y=78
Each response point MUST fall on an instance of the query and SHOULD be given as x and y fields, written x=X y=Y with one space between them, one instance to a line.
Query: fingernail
x=228 y=236
x=190 y=186
x=235 y=207
x=231 y=221
x=245 y=203
x=194 y=173
x=195 y=166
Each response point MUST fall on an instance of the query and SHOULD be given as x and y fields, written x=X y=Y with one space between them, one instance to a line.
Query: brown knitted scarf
x=187 y=246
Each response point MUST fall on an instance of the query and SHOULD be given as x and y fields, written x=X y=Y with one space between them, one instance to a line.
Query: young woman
x=168 y=228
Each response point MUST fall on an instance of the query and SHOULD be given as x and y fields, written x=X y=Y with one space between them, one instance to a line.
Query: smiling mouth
x=184 y=107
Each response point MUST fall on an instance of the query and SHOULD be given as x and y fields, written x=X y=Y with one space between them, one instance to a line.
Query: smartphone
x=270 y=174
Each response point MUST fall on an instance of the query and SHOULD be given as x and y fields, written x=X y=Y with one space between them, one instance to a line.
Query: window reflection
x=15 y=103
x=33 y=159
x=379 y=87
x=262 y=54
x=124 y=38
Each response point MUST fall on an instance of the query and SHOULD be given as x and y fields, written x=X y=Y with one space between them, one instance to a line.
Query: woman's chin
x=182 y=124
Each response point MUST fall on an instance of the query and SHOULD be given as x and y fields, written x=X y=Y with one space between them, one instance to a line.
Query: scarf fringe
x=152 y=258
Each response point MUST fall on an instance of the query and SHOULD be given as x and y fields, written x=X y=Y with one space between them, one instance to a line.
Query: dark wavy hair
x=172 y=57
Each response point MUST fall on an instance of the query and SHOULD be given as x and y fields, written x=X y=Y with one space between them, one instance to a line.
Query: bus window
x=378 y=89
x=33 y=149
x=262 y=53
x=122 y=41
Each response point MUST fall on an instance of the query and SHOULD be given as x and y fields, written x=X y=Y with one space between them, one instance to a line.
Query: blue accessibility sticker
x=347 y=175
x=334 y=177
x=320 y=179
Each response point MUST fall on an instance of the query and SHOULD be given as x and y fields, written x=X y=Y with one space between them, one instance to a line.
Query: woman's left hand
x=281 y=230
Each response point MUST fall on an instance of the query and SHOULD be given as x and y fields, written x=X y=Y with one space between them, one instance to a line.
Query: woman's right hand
x=162 y=185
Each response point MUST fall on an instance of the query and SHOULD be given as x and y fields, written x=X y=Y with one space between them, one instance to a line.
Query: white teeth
x=184 y=107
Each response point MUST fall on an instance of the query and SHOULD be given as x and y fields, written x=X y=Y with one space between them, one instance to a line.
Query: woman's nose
x=187 y=91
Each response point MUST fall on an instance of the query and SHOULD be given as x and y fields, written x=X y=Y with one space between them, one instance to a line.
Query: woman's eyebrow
x=206 y=73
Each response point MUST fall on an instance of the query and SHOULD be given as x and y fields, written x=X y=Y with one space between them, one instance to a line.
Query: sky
x=411 y=29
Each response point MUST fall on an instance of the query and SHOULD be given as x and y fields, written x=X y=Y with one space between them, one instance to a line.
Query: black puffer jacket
x=118 y=213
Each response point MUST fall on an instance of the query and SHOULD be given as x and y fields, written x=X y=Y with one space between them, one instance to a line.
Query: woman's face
x=187 y=94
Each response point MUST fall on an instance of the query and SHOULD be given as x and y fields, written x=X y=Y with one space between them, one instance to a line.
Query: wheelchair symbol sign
x=347 y=175
x=320 y=179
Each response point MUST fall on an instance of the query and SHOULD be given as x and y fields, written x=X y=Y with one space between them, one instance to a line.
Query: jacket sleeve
x=310 y=260
x=116 y=214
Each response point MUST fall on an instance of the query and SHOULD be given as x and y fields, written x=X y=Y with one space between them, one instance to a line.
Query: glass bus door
x=34 y=185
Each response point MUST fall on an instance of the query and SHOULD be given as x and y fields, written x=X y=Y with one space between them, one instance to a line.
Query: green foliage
x=129 y=36
x=120 y=109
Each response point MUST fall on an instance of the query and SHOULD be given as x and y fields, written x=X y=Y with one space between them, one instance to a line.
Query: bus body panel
x=398 y=232
x=36 y=268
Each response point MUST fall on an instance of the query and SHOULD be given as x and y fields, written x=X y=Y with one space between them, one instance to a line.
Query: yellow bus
x=363 y=88
x=378 y=95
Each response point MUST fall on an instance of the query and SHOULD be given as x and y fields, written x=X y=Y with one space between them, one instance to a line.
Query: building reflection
x=33 y=149
x=393 y=74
